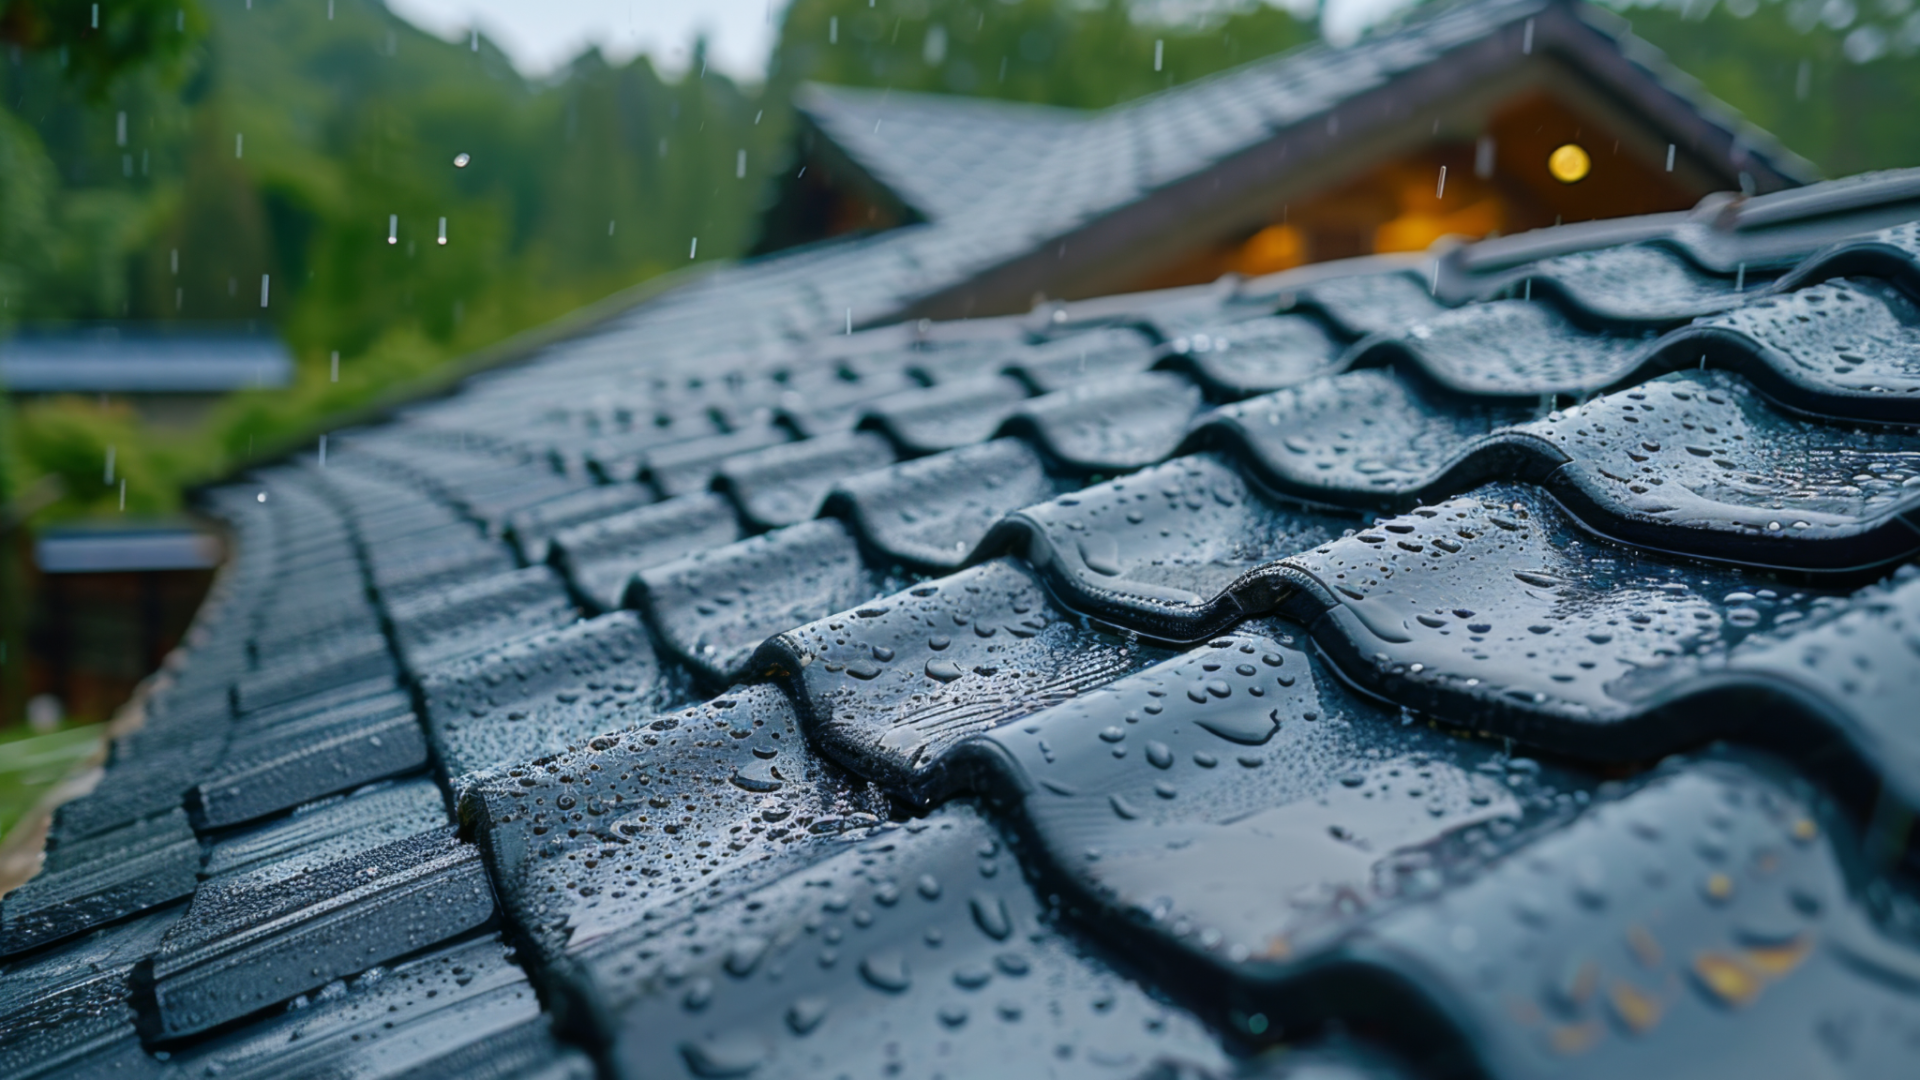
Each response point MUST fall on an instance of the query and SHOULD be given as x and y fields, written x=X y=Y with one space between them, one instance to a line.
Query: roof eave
x=1093 y=256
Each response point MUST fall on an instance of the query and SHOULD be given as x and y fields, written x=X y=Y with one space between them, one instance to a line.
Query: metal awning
x=122 y=358
x=82 y=550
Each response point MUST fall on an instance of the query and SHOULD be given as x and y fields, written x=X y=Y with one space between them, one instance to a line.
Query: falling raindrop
x=460 y=160
x=393 y=228
x=1159 y=52
x=443 y=233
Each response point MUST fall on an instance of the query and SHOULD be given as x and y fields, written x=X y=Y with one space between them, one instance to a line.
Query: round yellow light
x=1569 y=164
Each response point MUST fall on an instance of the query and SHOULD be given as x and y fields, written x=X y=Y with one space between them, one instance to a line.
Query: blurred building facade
x=109 y=602
x=172 y=373
x=1486 y=119
x=104 y=603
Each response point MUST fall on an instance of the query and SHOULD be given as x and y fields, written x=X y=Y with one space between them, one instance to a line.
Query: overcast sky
x=541 y=35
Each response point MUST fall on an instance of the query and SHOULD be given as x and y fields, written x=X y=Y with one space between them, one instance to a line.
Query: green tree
x=1837 y=83
x=1055 y=52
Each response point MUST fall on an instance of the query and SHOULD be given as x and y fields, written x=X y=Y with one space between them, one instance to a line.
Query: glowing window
x=1569 y=164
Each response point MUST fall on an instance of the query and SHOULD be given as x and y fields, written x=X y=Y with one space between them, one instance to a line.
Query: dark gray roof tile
x=654 y=820
x=69 y=1012
x=1509 y=348
x=601 y=557
x=930 y=954
x=1164 y=550
x=539 y=693
x=1370 y=438
x=1112 y=424
x=689 y=467
x=444 y=562
x=1845 y=673
x=1490 y=610
x=934 y=512
x=319 y=667
x=712 y=609
x=330 y=698
x=328 y=830
x=940 y=154
x=888 y=687
x=949 y=415
x=1081 y=358
x=785 y=485
x=1371 y=303
x=479 y=614
x=86 y=883
x=1641 y=284
x=135 y=789
x=1845 y=348
x=459 y=1010
x=1695 y=462
x=830 y=400
x=1699 y=462
x=1892 y=254
x=1256 y=356
x=253 y=941
x=1714 y=897
x=272 y=767
x=1240 y=810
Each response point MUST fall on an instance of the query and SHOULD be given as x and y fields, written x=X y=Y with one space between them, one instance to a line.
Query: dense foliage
x=1056 y=52
x=283 y=142
x=1838 y=81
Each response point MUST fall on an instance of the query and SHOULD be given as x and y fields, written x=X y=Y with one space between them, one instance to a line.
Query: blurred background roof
x=142 y=358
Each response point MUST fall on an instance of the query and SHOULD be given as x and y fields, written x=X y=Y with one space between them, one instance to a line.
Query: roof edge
x=450 y=377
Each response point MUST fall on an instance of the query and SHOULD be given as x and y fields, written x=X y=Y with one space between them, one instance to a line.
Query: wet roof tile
x=1269 y=851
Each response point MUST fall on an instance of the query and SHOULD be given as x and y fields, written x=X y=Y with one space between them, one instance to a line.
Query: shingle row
x=664 y=863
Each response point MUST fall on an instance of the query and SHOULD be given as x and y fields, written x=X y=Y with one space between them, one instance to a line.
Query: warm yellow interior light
x=1272 y=249
x=1569 y=164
